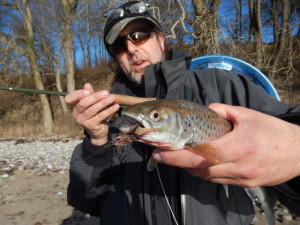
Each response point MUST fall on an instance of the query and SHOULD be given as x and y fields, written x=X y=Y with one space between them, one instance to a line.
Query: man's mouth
x=138 y=63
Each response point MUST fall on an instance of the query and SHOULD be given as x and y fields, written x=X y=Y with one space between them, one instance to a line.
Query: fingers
x=88 y=87
x=180 y=158
x=91 y=110
x=93 y=103
x=74 y=97
x=232 y=173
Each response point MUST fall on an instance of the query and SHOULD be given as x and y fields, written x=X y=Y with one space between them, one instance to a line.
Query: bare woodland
x=62 y=39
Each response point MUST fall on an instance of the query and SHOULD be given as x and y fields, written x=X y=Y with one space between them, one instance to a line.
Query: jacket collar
x=162 y=77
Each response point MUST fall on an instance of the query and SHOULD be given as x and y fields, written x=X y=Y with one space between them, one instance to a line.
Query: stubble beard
x=139 y=80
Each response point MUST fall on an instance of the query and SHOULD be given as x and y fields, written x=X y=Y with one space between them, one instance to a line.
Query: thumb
x=89 y=87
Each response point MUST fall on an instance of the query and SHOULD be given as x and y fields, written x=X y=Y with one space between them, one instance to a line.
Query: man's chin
x=137 y=80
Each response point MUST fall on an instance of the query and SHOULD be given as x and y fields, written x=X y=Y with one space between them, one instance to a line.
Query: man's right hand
x=91 y=111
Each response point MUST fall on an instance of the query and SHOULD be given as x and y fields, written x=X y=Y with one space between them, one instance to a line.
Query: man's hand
x=261 y=150
x=91 y=110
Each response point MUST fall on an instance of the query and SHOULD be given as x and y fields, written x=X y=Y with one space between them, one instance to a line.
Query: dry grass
x=20 y=113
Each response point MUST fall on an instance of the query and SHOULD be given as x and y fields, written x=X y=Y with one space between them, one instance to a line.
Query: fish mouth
x=136 y=126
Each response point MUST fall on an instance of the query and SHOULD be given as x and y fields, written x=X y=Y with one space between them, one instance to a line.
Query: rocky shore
x=34 y=179
x=48 y=154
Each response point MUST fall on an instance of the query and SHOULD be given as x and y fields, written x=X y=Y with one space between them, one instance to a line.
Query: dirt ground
x=38 y=199
x=27 y=198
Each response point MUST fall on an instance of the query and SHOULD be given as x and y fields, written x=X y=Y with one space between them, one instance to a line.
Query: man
x=113 y=183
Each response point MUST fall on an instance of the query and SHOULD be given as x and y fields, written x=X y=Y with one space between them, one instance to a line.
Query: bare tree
x=284 y=31
x=69 y=6
x=275 y=17
x=256 y=30
x=51 y=45
x=23 y=8
x=57 y=76
x=206 y=28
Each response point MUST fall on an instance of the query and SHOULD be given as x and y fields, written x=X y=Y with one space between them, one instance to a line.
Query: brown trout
x=180 y=124
x=175 y=124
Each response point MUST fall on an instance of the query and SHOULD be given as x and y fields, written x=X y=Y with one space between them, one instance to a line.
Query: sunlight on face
x=137 y=57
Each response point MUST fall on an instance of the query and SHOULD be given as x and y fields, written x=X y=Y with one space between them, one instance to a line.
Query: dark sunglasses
x=133 y=9
x=136 y=37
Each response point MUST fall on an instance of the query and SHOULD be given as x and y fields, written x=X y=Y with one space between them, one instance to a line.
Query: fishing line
x=168 y=203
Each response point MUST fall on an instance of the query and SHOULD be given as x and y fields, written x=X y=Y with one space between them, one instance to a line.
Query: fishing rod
x=34 y=91
x=119 y=99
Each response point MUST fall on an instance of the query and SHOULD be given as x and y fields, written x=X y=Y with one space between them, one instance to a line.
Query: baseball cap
x=118 y=18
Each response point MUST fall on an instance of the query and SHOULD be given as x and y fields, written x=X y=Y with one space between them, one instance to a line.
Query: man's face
x=137 y=57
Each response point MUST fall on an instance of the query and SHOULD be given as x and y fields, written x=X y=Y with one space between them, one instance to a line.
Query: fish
x=174 y=124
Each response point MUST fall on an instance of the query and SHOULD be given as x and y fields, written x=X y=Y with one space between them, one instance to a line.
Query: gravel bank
x=48 y=154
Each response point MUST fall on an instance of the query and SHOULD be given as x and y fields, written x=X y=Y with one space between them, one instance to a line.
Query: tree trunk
x=255 y=29
x=81 y=41
x=206 y=28
x=46 y=109
x=88 y=42
x=275 y=8
x=68 y=8
x=57 y=77
x=258 y=35
x=282 y=36
x=251 y=19
x=238 y=22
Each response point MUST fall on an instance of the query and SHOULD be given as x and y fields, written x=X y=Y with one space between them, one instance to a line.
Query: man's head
x=134 y=38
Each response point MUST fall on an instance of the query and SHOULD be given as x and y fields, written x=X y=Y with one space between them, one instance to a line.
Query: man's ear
x=161 y=39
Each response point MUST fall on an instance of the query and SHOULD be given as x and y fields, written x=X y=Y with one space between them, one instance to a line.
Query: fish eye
x=155 y=115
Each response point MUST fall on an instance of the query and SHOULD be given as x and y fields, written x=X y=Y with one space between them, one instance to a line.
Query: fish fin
x=205 y=150
x=151 y=164
x=261 y=195
x=226 y=190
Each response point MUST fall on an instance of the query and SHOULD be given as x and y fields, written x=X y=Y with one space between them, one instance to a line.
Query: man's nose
x=131 y=47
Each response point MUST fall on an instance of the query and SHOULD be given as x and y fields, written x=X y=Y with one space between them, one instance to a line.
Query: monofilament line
x=162 y=186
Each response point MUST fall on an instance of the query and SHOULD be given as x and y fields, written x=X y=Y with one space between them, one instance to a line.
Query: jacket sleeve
x=91 y=170
x=245 y=93
x=94 y=170
x=289 y=192
x=234 y=89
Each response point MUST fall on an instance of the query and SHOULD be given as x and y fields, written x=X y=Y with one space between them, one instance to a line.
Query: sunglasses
x=136 y=37
x=133 y=9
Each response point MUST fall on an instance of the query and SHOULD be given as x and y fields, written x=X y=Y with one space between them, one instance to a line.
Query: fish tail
x=261 y=195
x=269 y=213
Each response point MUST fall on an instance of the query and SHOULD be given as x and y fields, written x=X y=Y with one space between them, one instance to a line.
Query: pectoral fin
x=206 y=151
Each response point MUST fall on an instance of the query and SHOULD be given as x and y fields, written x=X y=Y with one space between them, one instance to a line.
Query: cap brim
x=118 y=27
